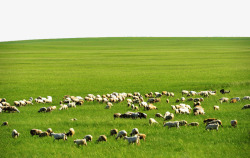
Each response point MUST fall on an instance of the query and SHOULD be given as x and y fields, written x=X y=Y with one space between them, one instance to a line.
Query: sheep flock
x=191 y=102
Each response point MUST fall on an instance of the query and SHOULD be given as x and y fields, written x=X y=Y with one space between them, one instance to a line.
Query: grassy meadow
x=84 y=66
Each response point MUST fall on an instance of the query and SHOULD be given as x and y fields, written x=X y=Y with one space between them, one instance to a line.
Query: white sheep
x=121 y=134
x=216 y=107
x=212 y=126
x=63 y=107
x=134 y=139
x=172 y=124
x=59 y=136
x=73 y=104
x=80 y=142
x=134 y=131
x=152 y=121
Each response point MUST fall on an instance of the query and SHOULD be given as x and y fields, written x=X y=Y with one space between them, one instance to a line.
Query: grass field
x=105 y=65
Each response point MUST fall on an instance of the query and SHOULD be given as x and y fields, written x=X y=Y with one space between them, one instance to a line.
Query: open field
x=104 y=65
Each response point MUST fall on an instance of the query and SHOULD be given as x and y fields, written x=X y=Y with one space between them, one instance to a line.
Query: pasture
x=84 y=66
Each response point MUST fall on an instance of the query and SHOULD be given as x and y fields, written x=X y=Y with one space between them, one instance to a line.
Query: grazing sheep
x=167 y=100
x=74 y=119
x=172 y=124
x=212 y=126
x=184 y=92
x=117 y=115
x=134 y=131
x=216 y=107
x=35 y=132
x=43 y=109
x=59 y=136
x=246 y=98
x=15 y=134
x=49 y=130
x=134 y=139
x=142 y=136
x=164 y=92
x=71 y=132
x=73 y=104
x=182 y=123
x=80 y=142
x=121 y=134
x=102 y=138
x=43 y=134
x=224 y=100
x=183 y=99
x=5 y=124
x=142 y=115
x=222 y=91
x=234 y=123
x=88 y=138
x=108 y=107
x=113 y=132
x=16 y=103
x=49 y=109
x=134 y=115
x=173 y=107
x=63 y=107
x=136 y=108
x=246 y=106
x=169 y=116
x=158 y=115
x=214 y=122
x=177 y=100
x=29 y=102
x=208 y=120
x=233 y=101
x=10 y=109
x=193 y=124
x=152 y=121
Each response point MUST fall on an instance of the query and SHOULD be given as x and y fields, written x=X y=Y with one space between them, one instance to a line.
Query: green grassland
x=104 y=65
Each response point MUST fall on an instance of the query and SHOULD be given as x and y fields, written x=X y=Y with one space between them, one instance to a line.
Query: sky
x=46 y=19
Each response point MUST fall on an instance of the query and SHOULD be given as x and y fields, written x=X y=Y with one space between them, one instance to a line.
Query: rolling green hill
x=84 y=66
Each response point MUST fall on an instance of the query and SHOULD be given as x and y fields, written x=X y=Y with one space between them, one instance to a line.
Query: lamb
x=246 y=106
x=134 y=139
x=212 y=126
x=121 y=134
x=113 y=132
x=142 y=136
x=216 y=107
x=80 y=142
x=172 y=124
x=15 y=134
x=88 y=138
x=134 y=131
x=35 y=132
x=71 y=132
x=5 y=124
x=234 y=123
x=59 y=136
x=43 y=134
x=117 y=115
x=193 y=124
x=43 y=109
x=152 y=121
x=102 y=138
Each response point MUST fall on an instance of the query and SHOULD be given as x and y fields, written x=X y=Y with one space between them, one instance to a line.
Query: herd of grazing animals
x=135 y=98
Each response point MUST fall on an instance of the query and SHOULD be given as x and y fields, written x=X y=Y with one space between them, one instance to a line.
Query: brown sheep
x=102 y=138
x=142 y=136
x=113 y=132
x=233 y=101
